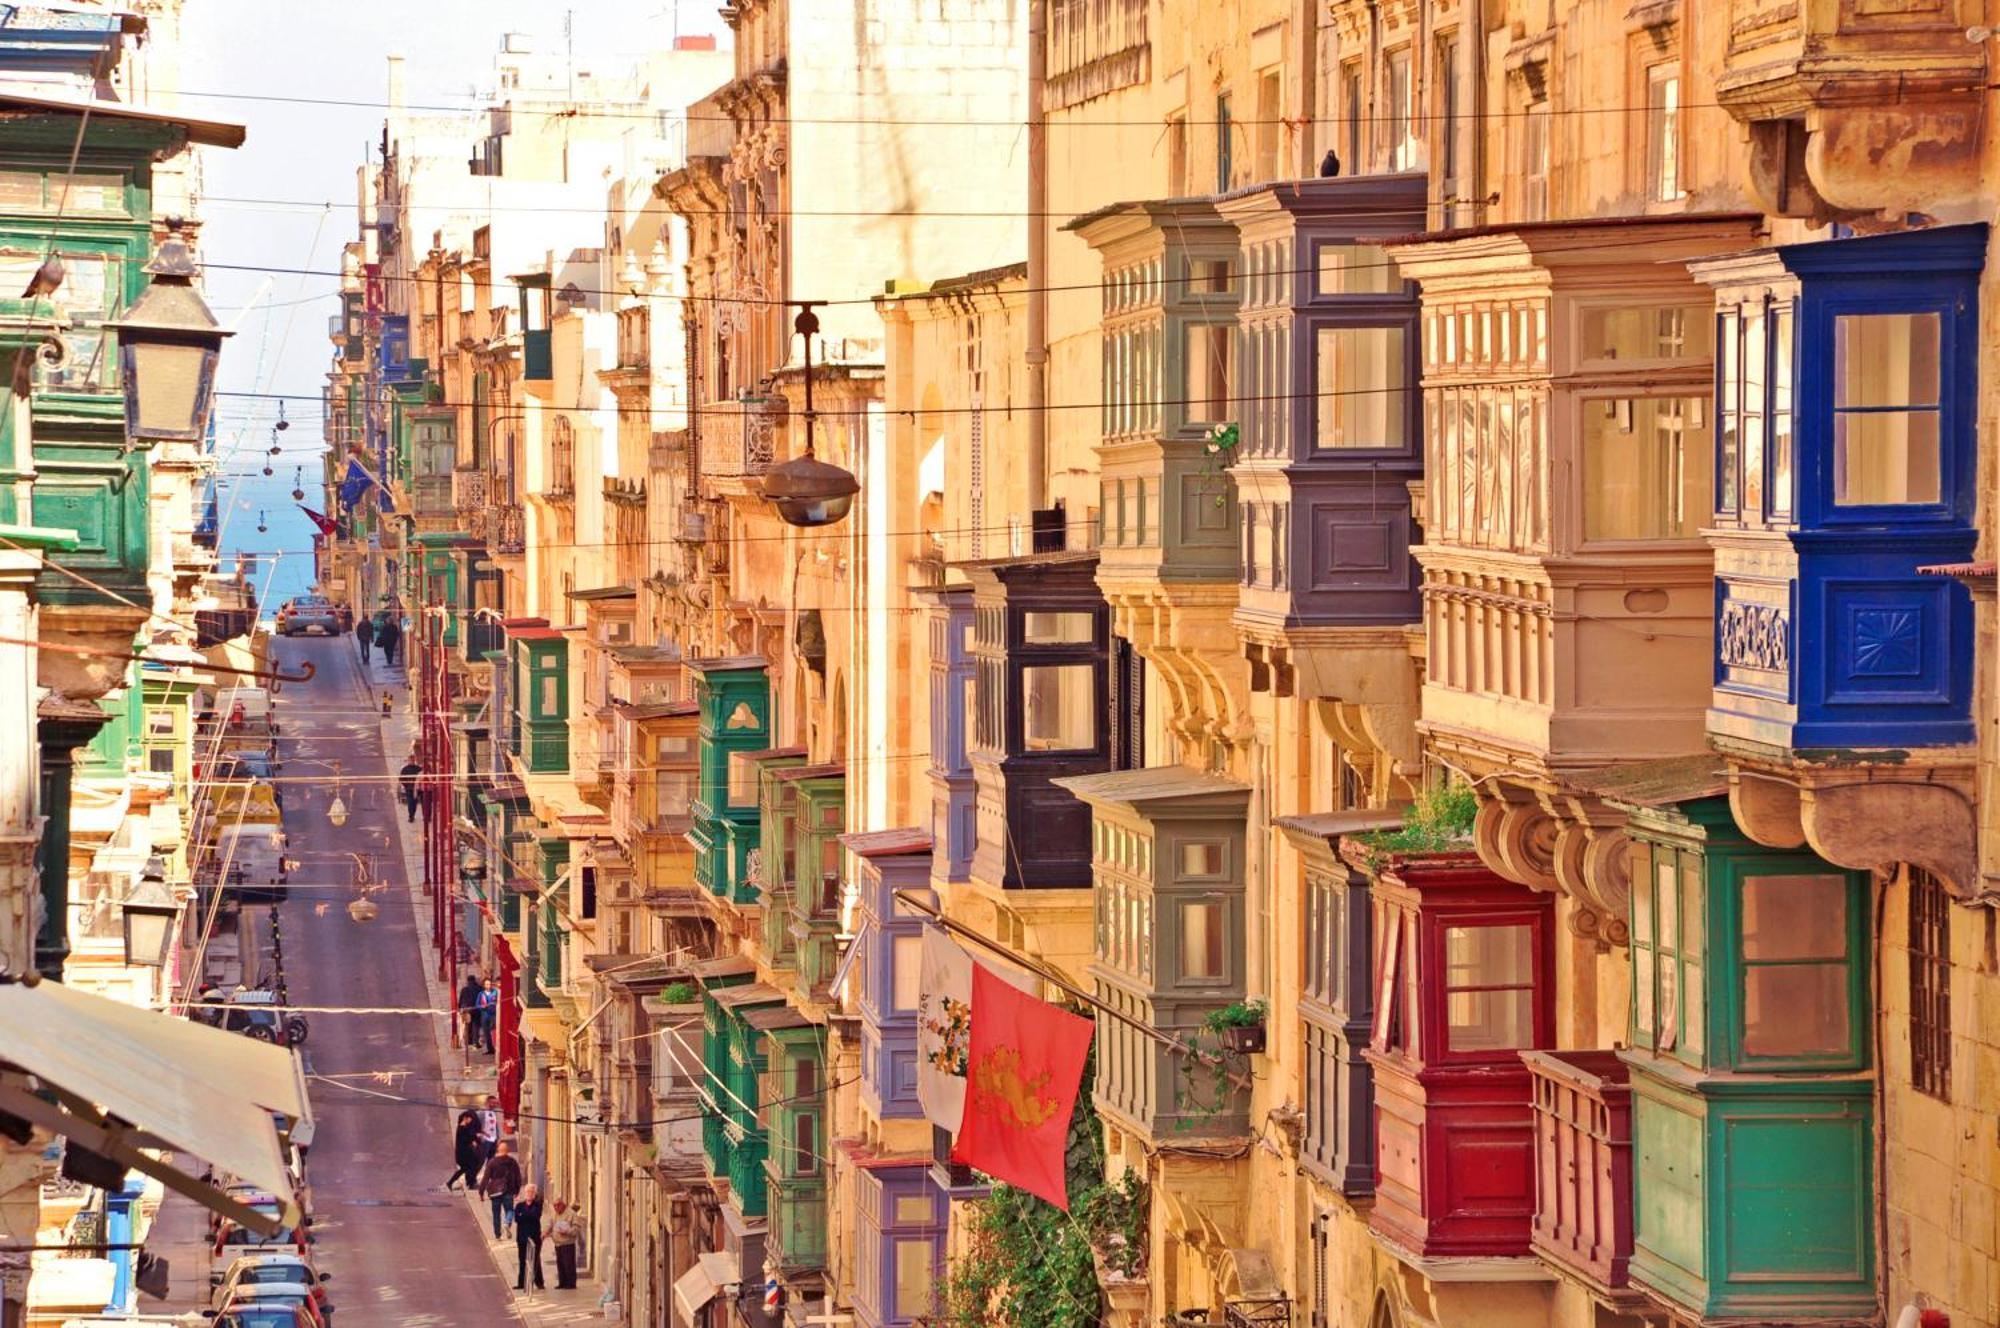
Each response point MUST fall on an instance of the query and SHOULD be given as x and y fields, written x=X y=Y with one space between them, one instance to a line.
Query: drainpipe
x=1305 y=58
x=1038 y=258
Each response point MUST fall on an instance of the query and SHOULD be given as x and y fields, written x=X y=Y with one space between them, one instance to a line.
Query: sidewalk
x=468 y=1084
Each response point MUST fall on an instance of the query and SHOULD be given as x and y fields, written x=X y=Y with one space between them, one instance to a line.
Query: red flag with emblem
x=1023 y=1073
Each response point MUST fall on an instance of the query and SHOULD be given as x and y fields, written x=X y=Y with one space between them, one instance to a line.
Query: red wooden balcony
x=1464 y=968
x=1583 y=1164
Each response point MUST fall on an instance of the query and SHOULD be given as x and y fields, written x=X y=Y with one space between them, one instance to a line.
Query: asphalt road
x=402 y=1252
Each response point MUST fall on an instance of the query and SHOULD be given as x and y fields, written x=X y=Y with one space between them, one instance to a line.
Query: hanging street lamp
x=168 y=345
x=149 y=925
x=805 y=490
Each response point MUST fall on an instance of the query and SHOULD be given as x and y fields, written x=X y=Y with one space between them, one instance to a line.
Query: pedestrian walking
x=500 y=1183
x=409 y=776
x=489 y=1013
x=528 y=1237
x=565 y=1232
x=489 y=1128
x=364 y=632
x=468 y=1009
x=387 y=636
x=465 y=1151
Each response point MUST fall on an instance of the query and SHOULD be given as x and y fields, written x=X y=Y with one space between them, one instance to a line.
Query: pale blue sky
x=305 y=155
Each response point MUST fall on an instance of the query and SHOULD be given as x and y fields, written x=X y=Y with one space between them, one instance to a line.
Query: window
x=1930 y=985
x=1535 y=162
x=1644 y=332
x=160 y=760
x=1059 y=707
x=548 y=696
x=908 y=957
x=1444 y=77
x=1201 y=940
x=1177 y=163
x=1202 y=858
x=1781 y=411
x=1057 y=629
x=1207 y=350
x=1795 y=966
x=1356 y=269
x=1645 y=468
x=1489 y=987
x=913 y=1278
x=1224 y=146
x=1750 y=425
x=805 y=1144
x=742 y=780
x=1350 y=104
x=1663 y=133
x=1669 y=993
x=1270 y=123
x=1363 y=387
x=1399 y=114
x=1729 y=374
x=1885 y=409
x=1323 y=921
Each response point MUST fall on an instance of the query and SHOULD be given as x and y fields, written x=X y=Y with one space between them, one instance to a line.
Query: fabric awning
x=190 y=1088
x=702 y=1283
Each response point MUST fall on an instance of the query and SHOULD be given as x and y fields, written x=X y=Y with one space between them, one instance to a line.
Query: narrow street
x=401 y=1251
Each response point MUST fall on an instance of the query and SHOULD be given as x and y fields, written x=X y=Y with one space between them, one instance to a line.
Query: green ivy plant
x=1207 y=1083
x=1236 y=1014
x=1437 y=822
x=1028 y=1264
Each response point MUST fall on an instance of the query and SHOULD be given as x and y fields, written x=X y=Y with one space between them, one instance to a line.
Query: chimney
x=395 y=85
x=695 y=42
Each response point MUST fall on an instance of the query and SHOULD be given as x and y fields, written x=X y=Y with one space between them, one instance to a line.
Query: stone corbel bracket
x=1868 y=815
x=1573 y=845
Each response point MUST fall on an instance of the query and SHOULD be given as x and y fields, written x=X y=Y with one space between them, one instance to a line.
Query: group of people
x=479 y=1011
x=487 y=1162
x=382 y=632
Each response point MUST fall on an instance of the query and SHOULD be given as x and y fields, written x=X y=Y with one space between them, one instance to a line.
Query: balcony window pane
x=1489 y=987
x=1792 y=918
x=1201 y=859
x=1201 y=939
x=1356 y=269
x=1057 y=629
x=909 y=970
x=1646 y=332
x=1363 y=387
x=805 y=1144
x=1781 y=412
x=1885 y=431
x=1206 y=356
x=1645 y=468
x=913 y=1278
x=1753 y=411
x=1795 y=1010
x=1663 y=133
x=1059 y=707
x=742 y=782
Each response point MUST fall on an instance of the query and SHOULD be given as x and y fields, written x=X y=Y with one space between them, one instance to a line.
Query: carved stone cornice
x=1184 y=631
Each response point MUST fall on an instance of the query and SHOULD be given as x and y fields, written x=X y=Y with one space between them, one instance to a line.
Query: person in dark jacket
x=528 y=1237
x=468 y=1010
x=500 y=1183
x=386 y=636
x=410 y=777
x=364 y=632
x=465 y=1151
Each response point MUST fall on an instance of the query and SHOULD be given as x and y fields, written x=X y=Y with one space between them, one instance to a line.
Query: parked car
x=267 y=1314
x=252 y=1013
x=234 y=1237
x=309 y=615
x=276 y=1276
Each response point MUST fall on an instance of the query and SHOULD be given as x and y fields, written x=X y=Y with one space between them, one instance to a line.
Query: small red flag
x=1023 y=1073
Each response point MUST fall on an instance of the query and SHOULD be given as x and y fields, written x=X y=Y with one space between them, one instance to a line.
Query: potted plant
x=1218 y=447
x=1238 y=1026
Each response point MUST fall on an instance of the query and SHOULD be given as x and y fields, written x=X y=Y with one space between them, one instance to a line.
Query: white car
x=253 y=1276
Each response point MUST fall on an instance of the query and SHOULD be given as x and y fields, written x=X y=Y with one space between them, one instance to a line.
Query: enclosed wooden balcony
x=1567 y=592
x=1583 y=1165
x=1168 y=856
x=1168 y=546
x=734 y=698
x=1465 y=964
